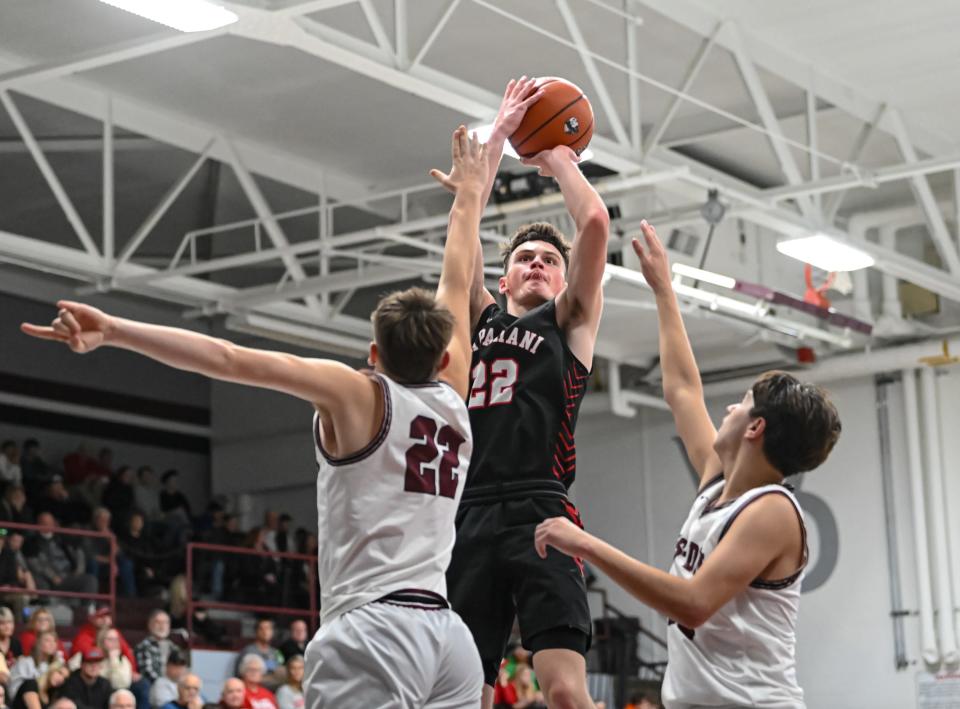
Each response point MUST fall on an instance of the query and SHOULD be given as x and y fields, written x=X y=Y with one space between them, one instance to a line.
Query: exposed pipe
x=950 y=489
x=928 y=638
x=944 y=600
x=890 y=519
x=848 y=366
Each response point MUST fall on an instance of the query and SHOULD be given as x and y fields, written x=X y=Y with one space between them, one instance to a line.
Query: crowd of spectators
x=150 y=520
x=98 y=669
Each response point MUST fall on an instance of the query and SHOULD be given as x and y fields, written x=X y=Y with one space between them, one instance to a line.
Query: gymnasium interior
x=264 y=178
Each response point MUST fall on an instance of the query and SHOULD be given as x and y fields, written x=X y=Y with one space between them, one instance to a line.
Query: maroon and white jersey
x=744 y=655
x=386 y=513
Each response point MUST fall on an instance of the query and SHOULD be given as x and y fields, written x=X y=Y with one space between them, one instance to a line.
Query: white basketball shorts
x=382 y=655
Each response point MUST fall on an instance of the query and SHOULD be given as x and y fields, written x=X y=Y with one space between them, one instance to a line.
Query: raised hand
x=518 y=97
x=551 y=161
x=81 y=327
x=469 y=163
x=653 y=259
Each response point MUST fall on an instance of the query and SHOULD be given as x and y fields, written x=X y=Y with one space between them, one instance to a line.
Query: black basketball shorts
x=496 y=575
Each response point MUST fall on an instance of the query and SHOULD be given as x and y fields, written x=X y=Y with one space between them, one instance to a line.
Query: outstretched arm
x=579 y=306
x=682 y=387
x=759 y=539
x=468 y=177
x=517 y=98
x=324 y=383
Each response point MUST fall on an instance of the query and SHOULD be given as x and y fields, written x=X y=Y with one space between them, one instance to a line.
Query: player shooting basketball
x=530 y=366
x=733 y=590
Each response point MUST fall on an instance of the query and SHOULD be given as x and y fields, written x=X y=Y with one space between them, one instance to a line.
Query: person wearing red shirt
x=86 y=637
x=255 y=695
x=41 y=620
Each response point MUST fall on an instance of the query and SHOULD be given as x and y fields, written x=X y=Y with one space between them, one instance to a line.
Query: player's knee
x=563 y=693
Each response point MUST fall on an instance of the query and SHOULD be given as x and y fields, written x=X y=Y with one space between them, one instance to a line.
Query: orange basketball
x=562 y=116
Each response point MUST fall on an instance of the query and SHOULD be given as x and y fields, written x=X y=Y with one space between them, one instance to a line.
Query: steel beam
x=832 y=206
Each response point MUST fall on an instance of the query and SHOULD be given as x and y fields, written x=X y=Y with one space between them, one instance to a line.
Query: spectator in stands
x=504 y=692
x=55 y=565
x=640 y=701
x=255 y=695
x=117 y=668
x=41 y=621
x=87 y=638
x=58 y=502
x=173 y=503
x=87 y=687
x=10 y=648
x=10 y=473
x=146 y=494
x=98 y=556
x=271 y=522
x=3 y=697
x=137 y=547
x=14 y=507
x=232 y=694
x=188 y=694
x=259 y=574
x=164 y=690
x=119 y=495
x=63 y=703
x=34 y=468
x=290 y=693
x=13 y=569
x=529 y=695
x=43 y=690
x=262 y=648
x=153 y=651
x=79 y=465
x=44 y=654
x=122 y=699
x=103 y=468
x=296 y=642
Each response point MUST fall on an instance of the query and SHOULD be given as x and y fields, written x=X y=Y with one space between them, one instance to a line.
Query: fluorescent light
x=483 y=133
x=705 y=276
x=183 y=15
x=826 y=253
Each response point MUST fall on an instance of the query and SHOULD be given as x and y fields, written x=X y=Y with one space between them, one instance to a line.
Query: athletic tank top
x=386 y=513
x=744 y=655
x=525 y=392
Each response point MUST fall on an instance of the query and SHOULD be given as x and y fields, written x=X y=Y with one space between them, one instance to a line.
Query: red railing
x=110 y=597
x=248 y=607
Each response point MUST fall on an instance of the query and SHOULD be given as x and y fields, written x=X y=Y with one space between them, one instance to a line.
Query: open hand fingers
x=444 y=179
x=638 y=249
x=650 y=234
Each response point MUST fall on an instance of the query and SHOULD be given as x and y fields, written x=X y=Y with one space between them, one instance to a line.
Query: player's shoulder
x=770 y=510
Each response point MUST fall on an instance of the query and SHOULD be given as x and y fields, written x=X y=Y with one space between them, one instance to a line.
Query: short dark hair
x=169 y=474
x=802 y=424
x=412 y=331
x=537 y=231
x=30 y=444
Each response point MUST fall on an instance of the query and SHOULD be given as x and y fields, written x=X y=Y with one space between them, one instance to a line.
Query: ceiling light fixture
x=826 y=253
x=705 y=276
x=183 y=15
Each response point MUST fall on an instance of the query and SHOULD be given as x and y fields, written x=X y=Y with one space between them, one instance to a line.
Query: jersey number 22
x=420 y=475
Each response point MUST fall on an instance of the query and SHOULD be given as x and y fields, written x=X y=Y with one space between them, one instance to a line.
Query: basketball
x=563 y=116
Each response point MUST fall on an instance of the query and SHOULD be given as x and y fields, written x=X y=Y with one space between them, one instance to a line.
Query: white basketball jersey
x=386 y=513
x=744 y=655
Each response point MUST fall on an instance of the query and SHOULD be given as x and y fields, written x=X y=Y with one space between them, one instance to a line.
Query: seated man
x=262 y=648
x=188 y=694
x=56 y=565
x=166 y=689
x=255 y=695
x=87 y=688
x=232 y=695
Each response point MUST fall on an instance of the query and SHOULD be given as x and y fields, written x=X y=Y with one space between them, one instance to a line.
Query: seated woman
x=116 y=667
x=43 y=654
x=290 y=693
x=41 y=621
x=39 y=693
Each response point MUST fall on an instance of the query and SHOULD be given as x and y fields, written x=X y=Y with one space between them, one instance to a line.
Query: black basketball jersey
x=525 y=393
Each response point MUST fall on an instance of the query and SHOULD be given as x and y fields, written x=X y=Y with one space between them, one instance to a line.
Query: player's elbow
x=597 y=220
x=694 y=614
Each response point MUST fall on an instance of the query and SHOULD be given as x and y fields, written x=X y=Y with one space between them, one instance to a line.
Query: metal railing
x=193 y=604
x=110 y=597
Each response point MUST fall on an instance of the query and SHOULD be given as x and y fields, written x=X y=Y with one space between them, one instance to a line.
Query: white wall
x=634 y=491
